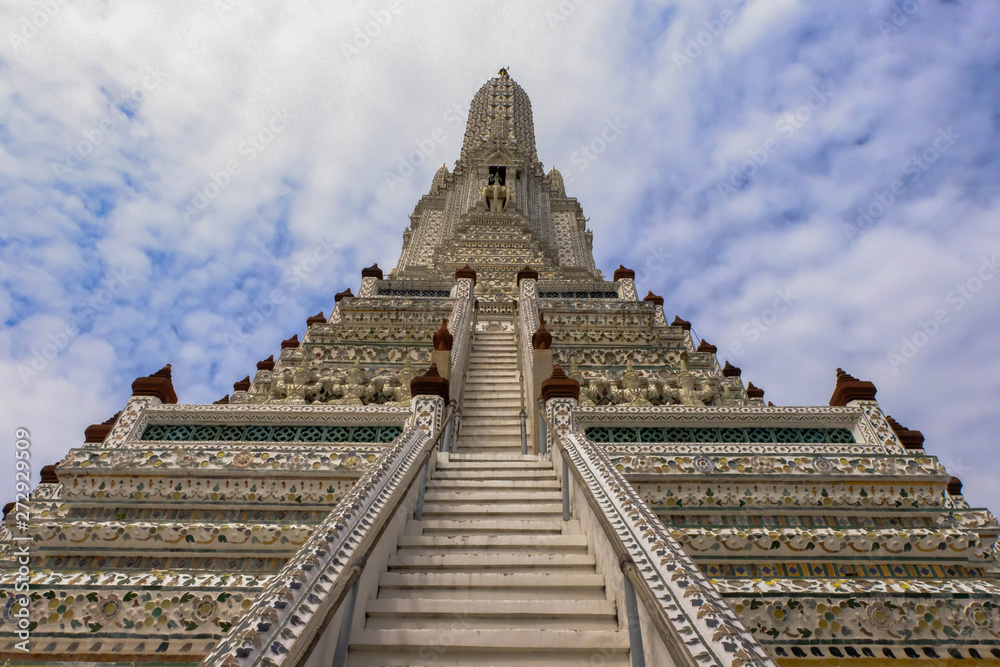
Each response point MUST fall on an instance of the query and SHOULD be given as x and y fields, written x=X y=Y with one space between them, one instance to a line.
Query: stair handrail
x=285 y=623
x=523 y=416
x=664 y=577
x=462 y=325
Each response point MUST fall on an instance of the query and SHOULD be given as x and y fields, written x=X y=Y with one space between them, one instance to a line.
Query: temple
x=496 y=455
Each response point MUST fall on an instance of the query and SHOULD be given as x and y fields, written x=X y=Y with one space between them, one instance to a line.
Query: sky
x=812 y=185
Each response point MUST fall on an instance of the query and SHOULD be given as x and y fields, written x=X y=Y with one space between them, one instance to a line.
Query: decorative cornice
x=850 y=388
x=159 y=384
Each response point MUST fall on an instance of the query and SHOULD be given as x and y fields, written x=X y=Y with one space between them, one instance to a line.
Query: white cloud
x=210 y=86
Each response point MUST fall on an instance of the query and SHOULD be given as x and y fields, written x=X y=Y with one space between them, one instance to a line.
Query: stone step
x=511 y=447
x=476 y=497
x=448 y=510
x=491 y=561
x=490 y=526
x=470 y=475
x=481 y=386
x=487 y=430
x=493 y=457
x=485 y=403
x=473 y=398
x=391 y=613
x=489 y=443
x=473 y=584
x=529 y=464
x=459 y=484
x=485 y=420
x=477 y=443
x=438 y=544
x=579 y=645
x=509 y=389
x=490 y=433
x=440 y=656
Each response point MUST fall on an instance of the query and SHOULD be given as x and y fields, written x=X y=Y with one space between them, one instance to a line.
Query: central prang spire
x=497 y=212
x=500 y=115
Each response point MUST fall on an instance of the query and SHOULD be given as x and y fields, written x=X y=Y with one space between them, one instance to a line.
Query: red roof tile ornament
x=658 y=300
x=443 y=339
x=372 y=271
x=290 y=342
x=678 y=322
x=850 y=388
x=222 y=401
x=541 y=339
x=48 y=475
x=97 y=433
x=909 y=438
x=343 y=295
x=527 y=273
x=430 y=384
x=242 y=385
x=754 y=392
x=159 y=384
x=954 y=486
x=318 y=318
x=266 y=364
x=731 y=371
x=621 y=273
x=466 y=272
x=705 y=346
x=560 y=385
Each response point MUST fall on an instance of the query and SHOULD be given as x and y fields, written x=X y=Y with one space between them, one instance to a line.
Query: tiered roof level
x=240 y=533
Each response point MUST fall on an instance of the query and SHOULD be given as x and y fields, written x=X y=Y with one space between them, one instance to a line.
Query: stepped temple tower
x=495 y=455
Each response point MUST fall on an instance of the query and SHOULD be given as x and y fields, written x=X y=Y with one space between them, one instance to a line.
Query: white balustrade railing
x=694 y=622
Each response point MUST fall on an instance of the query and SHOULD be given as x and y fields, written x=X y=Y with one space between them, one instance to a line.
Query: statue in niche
x=685 y=392
x=632 y=391
x=496 y=195
x=356 y=387
x=401 y=395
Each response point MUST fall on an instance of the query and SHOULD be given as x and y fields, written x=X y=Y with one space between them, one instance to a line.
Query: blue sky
x=812 y=185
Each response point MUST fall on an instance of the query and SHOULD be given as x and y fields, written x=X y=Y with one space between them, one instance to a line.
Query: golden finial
x=503 y=73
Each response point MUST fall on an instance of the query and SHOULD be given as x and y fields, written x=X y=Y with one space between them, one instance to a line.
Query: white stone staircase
x=491 y=402
x=491 y=575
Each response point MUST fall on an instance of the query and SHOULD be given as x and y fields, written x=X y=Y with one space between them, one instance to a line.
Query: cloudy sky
x=812 y=185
